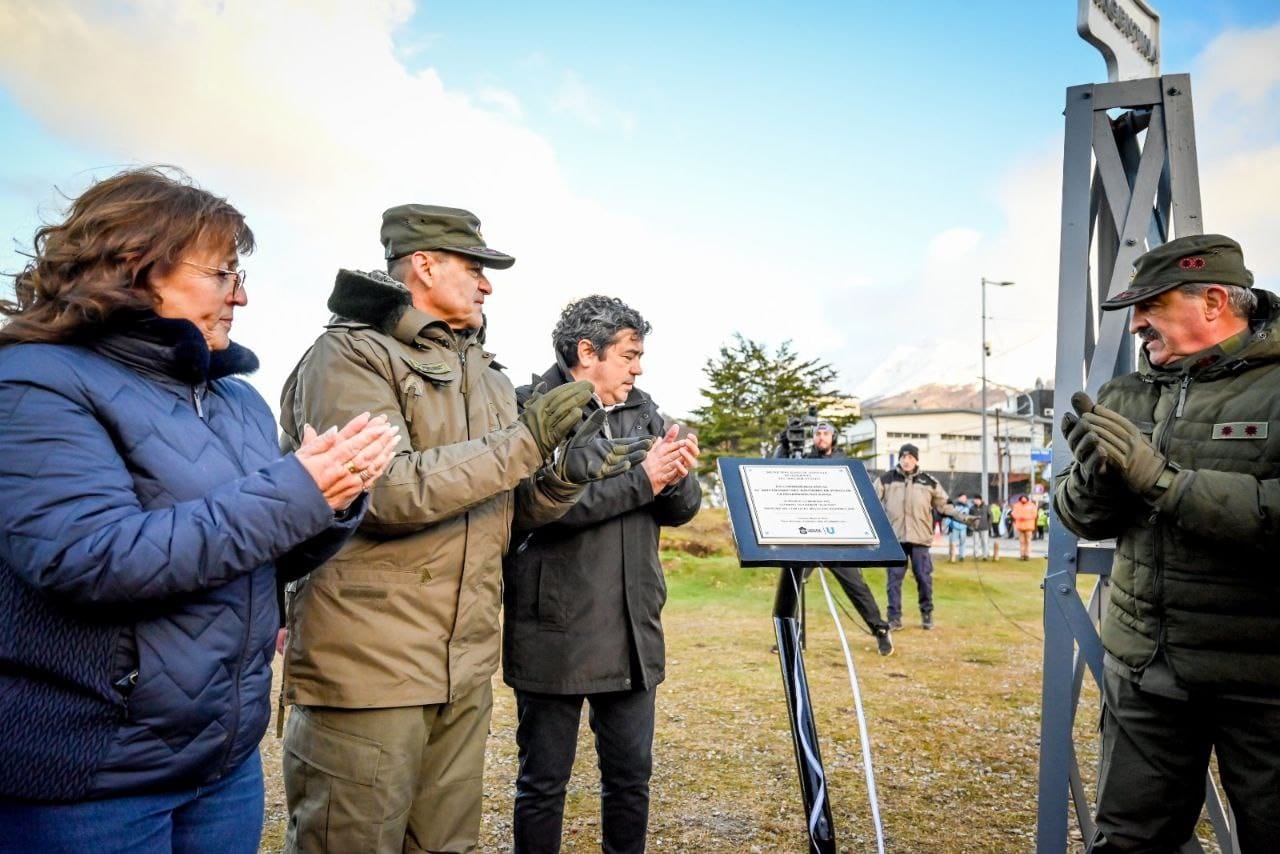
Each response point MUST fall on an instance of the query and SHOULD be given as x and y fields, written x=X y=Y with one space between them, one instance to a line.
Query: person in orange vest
x=1024 y=514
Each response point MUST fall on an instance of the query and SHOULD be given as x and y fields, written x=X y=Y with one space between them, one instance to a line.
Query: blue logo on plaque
x=829 y=529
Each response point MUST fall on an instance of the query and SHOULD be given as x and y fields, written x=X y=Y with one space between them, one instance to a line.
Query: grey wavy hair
x=1243 y=301
x=596 y=318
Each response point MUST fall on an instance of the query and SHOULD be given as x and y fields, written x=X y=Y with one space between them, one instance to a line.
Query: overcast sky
x=838 y=174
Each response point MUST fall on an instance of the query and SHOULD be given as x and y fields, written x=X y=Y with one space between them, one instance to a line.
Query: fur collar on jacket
x=169 y=348
x=382 y=302
x=373 y=298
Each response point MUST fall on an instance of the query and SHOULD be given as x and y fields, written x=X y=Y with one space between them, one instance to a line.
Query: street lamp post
x=986 y=476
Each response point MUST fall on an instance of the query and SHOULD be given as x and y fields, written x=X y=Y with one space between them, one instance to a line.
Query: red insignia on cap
x=1194 y=262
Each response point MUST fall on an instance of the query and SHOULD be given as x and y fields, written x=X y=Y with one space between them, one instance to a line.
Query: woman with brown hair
x=146 y=512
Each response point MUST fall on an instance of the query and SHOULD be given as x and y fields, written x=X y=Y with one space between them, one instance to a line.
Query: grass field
x=953 y=717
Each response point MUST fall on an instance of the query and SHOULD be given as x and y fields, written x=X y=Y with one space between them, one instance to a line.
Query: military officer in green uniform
x=1176 y=462
x=393 y=643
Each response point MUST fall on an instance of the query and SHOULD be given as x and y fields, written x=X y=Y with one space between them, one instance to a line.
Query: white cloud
x=1236 y=91
x=575 y=98
x=303 y=113
x=503 y=102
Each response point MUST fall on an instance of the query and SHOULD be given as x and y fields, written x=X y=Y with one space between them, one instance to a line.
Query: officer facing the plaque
x=1176 y=462
x=910 y=496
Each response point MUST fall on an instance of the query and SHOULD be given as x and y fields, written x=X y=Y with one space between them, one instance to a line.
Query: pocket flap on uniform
x=338 y=754
x=438 y=372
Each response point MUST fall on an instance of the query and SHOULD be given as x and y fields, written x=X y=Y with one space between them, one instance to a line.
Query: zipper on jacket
x=197 y=398
x=1182 y=395
x=1157 y=549
x=125 y=684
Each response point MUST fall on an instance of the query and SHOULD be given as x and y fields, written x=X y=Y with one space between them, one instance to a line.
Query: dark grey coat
x=583 y=596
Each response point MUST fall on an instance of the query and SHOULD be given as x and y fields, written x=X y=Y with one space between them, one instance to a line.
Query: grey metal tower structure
x=1130 y=182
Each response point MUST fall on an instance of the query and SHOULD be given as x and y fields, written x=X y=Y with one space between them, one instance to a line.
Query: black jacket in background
x=583 y=596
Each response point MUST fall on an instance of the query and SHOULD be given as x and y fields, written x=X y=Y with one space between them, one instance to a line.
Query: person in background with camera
x=583 y=595
x=147 y=510
x=910 y=497
x=391 y=647
x=1176 y=462
x=850 y=577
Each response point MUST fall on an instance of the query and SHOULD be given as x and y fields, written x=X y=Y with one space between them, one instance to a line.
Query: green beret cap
x=1205 y=258
x=422 y=228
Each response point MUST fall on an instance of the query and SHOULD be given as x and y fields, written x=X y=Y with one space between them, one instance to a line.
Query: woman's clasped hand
x=343 y=463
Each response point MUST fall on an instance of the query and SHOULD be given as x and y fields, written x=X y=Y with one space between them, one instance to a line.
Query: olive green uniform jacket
x=407 y=613
x=1195 y=571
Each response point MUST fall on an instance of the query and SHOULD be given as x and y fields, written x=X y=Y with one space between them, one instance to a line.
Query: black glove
x=588 y=456
x=551 y=415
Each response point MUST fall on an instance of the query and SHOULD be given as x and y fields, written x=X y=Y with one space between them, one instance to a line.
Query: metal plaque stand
x=787 y=616
x=804 y=732
x=1120 y=195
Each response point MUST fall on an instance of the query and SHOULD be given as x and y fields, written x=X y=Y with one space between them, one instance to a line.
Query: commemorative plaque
x=795 y=505
x=806 y=512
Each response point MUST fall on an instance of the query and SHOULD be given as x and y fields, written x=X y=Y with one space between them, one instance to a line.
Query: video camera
x=797 y=436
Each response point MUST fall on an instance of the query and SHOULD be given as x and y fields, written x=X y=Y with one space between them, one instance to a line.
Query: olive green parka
x=407 y=613
x=1195 y=571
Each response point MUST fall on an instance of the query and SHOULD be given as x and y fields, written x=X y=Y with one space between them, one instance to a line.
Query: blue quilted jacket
x=144 y=507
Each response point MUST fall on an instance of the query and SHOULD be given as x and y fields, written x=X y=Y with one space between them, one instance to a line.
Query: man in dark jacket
x=1176 y=462
x=583 y=596
x=850 y=577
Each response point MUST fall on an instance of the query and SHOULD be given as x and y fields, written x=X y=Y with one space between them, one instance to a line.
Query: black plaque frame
x=887 y=552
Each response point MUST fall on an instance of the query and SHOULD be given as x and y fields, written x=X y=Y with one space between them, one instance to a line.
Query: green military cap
x=1204 y=258
x=421 y=228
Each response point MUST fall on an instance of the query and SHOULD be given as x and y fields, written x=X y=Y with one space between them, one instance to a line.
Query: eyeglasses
x=236 y=276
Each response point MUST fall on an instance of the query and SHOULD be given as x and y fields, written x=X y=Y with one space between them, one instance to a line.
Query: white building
x=946 y=425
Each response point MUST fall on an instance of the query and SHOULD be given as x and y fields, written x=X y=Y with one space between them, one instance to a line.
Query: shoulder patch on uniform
x=1240 y=430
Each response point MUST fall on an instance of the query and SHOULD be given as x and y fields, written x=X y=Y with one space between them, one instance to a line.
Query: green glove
x=1122 y=443
x=1082 y=441
x=550 y=416
x=588 y=456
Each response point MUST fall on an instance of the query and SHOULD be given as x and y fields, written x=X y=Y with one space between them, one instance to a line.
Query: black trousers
x=547 y=738
x=1155 y=752
x=864 y=601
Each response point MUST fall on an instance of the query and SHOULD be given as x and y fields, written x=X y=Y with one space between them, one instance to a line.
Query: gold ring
x=351 y=467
